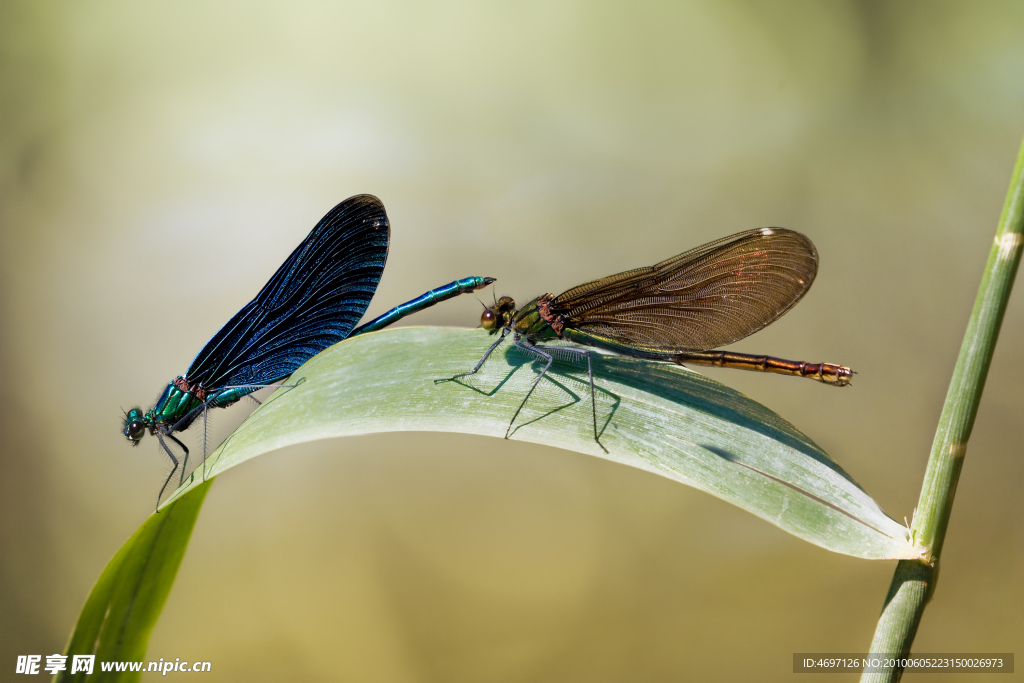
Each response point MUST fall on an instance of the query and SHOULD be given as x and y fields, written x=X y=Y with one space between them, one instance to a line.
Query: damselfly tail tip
x=489 y=280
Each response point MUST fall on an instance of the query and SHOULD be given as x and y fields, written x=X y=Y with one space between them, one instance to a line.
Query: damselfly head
x=497 y=316
x=134 y=426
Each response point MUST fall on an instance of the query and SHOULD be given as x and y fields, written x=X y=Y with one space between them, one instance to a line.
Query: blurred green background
x=158 y=162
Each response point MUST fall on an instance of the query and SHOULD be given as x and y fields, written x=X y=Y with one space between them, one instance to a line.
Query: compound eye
x=135 y=430
x=488 y=319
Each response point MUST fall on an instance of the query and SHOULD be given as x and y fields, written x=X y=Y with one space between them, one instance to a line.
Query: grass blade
x=654 y=416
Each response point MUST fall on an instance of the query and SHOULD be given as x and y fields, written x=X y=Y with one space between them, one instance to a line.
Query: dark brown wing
x=702 y=299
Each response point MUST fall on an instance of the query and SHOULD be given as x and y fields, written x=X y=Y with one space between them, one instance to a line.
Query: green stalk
x=914 y=580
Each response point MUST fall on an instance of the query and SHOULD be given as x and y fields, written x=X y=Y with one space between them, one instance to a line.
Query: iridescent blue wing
x=312 y=302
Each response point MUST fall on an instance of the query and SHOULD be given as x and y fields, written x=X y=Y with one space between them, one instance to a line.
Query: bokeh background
x=158 y=161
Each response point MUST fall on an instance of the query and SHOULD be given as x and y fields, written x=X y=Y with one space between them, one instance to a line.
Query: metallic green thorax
x=173 y=405
x=179 y=402
x=526 y=322
x=532 y=321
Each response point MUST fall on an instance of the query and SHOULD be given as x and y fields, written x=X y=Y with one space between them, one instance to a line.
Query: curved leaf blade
x=654 y=416
x=126 y=601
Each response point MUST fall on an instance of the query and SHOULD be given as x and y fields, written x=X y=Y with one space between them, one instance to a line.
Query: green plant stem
x=914 y=581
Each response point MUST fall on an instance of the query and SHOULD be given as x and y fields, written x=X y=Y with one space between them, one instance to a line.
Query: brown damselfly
x=678 y=310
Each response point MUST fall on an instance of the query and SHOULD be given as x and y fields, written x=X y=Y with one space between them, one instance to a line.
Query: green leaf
x=654 y=416
x=126 y=601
